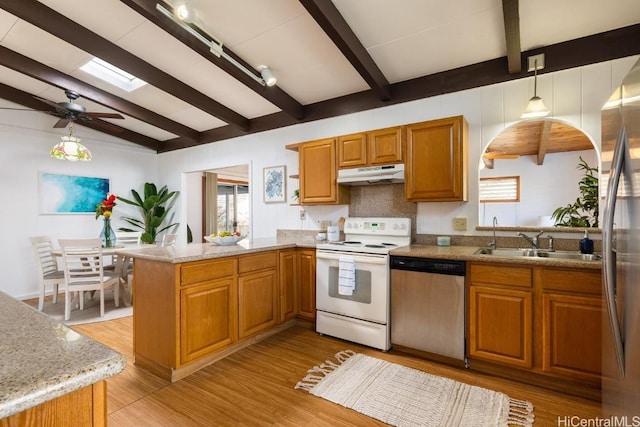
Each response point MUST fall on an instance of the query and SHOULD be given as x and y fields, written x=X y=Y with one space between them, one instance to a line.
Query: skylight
x=112 y=75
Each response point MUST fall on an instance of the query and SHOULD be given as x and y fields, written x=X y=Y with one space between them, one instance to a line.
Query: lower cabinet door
x=572 y=336
x=207 y=319
x=258 y=301
x=500 y=325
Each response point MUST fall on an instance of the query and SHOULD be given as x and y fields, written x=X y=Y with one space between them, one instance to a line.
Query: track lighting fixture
x=535 y=107
x=266 y=78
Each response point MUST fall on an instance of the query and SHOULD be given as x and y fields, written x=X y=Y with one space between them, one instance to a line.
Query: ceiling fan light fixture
x=267 y=75
x=70 y=148
x=535 y=107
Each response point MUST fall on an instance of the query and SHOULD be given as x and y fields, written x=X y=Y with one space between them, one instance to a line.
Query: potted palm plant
x=154 y=209
x=584 y=211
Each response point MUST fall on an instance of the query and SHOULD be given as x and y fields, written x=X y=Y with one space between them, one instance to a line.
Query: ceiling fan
x=71 y=111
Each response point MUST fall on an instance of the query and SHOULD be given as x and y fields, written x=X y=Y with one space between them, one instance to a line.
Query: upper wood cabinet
x=378 y=147
x=436 y=164
x=318 y=174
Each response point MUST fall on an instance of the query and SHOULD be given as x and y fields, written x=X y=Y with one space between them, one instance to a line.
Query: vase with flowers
x=105 y=208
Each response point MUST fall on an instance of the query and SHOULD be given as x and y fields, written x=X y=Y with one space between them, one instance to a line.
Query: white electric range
x=353 y=280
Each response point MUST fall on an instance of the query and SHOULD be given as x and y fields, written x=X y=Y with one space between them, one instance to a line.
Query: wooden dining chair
x=169 y=240
x=83 y=267
x=48 y=272
x=124 y=266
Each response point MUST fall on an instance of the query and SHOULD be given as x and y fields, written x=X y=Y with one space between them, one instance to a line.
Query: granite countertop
x=43 y=359
x=467 y=253
x=199 y=251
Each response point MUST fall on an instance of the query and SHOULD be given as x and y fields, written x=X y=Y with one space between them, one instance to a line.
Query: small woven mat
x=403 y=396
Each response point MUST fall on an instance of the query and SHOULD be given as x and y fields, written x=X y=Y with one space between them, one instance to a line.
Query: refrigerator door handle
x=608 y=250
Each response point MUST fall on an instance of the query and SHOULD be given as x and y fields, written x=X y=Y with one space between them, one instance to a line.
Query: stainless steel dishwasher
x=428 y=305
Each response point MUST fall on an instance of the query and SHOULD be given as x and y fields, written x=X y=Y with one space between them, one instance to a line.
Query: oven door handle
x=369 y=259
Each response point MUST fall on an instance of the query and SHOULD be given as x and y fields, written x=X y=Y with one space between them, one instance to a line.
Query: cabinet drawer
x=255 y=262
x=204 y=271
x=583 y=281
x=501 y=275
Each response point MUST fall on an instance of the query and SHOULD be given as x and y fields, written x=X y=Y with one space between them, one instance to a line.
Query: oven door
x=370 y=298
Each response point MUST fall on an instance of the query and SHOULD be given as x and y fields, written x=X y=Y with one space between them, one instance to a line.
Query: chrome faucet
x=533 y=240
x=494 y=243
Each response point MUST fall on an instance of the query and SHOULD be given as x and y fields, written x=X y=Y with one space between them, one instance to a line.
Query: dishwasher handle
x=429 y=265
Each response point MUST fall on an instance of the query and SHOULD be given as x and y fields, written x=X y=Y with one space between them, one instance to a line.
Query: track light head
x=267 y=75
x=183 y=12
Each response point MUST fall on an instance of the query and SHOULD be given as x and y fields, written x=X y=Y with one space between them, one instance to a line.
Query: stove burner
x=388 y=244
x=374 y=246
x=352 y=242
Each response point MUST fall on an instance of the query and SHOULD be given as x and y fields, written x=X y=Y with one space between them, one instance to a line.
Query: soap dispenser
x=586 y=244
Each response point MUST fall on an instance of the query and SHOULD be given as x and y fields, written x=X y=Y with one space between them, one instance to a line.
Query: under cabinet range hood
x=385 y=174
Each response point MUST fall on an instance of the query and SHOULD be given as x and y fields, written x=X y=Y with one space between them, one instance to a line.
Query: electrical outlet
x=303 y=214
x=460 y=223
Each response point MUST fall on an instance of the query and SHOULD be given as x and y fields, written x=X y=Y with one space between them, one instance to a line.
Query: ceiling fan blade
x=62 y=123
x=53 y=104
x=104 y=115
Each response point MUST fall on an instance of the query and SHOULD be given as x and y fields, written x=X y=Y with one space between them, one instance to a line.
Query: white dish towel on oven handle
x=346 y=275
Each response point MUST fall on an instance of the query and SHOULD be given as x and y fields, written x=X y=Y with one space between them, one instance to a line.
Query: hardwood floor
x=255 y=386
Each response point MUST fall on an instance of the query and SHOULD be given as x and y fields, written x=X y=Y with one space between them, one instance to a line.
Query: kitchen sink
x=540 y=253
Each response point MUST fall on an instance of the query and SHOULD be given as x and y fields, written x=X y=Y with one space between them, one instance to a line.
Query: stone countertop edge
x=200 y=251
x=467 y=253
x=43 y=359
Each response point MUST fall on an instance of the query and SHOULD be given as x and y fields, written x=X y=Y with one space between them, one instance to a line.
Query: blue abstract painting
x=71 y=194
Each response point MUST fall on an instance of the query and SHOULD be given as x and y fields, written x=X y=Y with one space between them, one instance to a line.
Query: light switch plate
x=460 y=223
x=303 y=214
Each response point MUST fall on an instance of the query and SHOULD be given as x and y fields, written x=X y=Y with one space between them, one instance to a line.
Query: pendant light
x=70 y=148
x=535 y=107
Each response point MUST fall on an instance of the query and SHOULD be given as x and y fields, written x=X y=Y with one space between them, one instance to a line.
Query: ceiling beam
x=28 y=100
x=592 y=49
x=511 y=15
x=31 y=68
x=333 y=24
x=273 y=94
x=545 y=130
x=49 y=20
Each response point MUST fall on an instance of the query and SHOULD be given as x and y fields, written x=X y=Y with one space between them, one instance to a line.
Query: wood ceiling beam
x=511 y=15
x=273 y=94
x=606 y=46
x=49 y=20
x=545 y=131
x=333 y=24
x=31 y=68
x=28 y=100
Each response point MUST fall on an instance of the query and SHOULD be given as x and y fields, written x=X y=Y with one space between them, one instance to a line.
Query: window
x=112 y=75
x=500 y=189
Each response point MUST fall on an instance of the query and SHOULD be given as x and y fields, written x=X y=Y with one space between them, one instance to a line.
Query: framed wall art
x=274 y=181
x=71 y=194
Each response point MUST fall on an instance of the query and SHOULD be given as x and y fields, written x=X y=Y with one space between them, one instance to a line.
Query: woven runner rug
x=403 y=396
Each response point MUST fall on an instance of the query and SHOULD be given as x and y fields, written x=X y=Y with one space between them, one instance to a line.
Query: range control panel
x=378 y=226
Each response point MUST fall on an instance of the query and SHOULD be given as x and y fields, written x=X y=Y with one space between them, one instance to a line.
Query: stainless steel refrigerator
x=621 y=252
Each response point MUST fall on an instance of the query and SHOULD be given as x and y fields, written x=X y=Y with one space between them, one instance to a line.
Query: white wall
x=574 y=96
x=25 y=140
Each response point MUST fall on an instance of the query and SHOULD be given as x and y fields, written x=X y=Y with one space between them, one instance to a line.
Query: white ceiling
x=406 y=39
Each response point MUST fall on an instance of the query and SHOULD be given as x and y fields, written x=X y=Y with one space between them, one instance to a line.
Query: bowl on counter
x=224 y=241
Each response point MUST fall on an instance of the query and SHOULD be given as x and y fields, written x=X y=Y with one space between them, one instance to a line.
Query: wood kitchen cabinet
x=306 y=264
x=572 y=312
x=318 y=174
x=377 y=147
x=288 y=280
x=437 y=157
x=501 y=314
x=258 y=293
x=540 y=320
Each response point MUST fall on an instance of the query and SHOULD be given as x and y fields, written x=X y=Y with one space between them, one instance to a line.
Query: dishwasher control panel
x=429 y=265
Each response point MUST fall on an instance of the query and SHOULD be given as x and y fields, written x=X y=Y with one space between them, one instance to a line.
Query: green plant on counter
x=584 y=211
x=154 y=209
